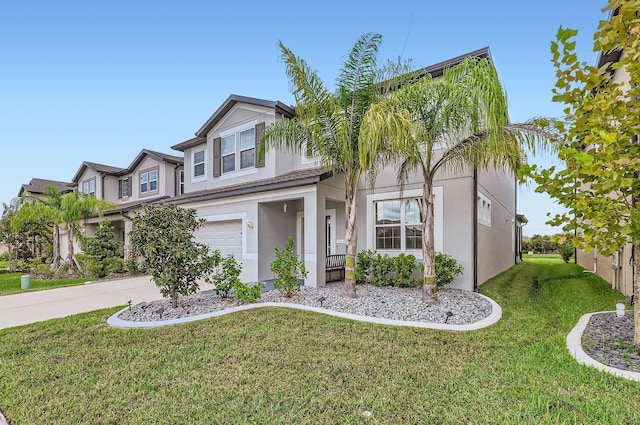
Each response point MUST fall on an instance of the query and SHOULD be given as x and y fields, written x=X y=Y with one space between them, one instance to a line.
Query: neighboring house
x=250 y=207
x=618 y=268
x=36 y=187
x=151 y=176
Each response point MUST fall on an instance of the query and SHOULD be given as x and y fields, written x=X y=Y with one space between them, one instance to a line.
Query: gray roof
x=226 y=106
x=292 y=179
x=158 y=156
x=36 y=186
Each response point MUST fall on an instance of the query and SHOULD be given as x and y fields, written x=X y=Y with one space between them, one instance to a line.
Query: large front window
x=398 y=224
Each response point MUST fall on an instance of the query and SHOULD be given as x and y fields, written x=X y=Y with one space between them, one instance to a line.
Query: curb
x=496 y=314
x=574 y=345
x=3 y=420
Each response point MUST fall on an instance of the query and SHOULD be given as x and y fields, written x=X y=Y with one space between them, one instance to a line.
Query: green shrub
x=402 y=267
x=287 y=268
x=249 y=293
x=566 y=250
x=43 y=271
x=225 y=275
x=447 y=268
x=364 y=264
x=102 y=248
x=4 y=256
x=131 y=264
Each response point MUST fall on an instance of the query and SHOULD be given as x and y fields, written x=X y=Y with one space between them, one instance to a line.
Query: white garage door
x=225 y=236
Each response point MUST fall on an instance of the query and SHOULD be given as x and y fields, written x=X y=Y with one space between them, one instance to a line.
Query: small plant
x=226 y=275
x=249 y=293
x=287 y=268
x=43 y=271
x=381 y=267
x=102 y=248
x=566 y=250
x=447 y=268
x=131 y=265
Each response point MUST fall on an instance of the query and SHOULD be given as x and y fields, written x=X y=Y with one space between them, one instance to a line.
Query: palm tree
x=328 y=125
x=60 y=210
x=451 y=123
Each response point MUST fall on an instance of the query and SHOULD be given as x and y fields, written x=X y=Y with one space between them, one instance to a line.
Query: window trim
x=237 y=171
x=438 y=192
x=121 y=184
x=88 y=182
x=195 y=178
x=147 y=172
x=484 y=210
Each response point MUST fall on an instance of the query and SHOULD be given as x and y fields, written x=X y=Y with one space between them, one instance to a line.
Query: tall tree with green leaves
x=63 y=211
x=451 y=124
x=329 y=125
x=163 y=236
x=599 y=182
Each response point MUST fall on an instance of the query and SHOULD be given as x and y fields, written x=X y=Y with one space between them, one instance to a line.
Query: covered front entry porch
x=316 y=224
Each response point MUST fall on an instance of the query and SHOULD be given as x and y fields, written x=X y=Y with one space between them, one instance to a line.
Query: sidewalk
x=29 y=307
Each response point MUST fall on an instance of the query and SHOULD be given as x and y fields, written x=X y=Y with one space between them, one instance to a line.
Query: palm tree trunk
x=55 y=262
x=351 y=242
x=429 y=294
x=70 y=247
x=636 y=296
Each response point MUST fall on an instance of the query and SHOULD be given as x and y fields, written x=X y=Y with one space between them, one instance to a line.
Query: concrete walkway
x=30 y=307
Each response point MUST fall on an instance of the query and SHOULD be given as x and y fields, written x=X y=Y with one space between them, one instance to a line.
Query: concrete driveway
x=29 y=307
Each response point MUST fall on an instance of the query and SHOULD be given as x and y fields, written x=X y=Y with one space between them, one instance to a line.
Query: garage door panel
x=225 y=236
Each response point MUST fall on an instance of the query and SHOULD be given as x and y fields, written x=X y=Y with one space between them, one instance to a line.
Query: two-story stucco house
x=249 y=207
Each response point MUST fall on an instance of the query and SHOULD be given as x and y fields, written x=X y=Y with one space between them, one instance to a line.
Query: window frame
x=438 y=192
x=88 y=183
x=121 y=189
x=194 y=164
x=238 y=149
x=401 y=224
x=147 y=173
x=483 y=210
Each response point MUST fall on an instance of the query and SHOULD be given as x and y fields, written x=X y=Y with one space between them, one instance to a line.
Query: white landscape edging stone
x=496 y=314
x=574 y=345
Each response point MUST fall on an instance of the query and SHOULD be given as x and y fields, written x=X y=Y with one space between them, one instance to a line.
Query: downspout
x=102 y=185
x=475 y=229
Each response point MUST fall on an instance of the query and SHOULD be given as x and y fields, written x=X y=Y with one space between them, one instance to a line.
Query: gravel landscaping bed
x=456 y=306
x=609 y=340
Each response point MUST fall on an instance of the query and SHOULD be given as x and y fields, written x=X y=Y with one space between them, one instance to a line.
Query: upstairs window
x=235 y=149
x=124 y=188
x=229 y=153
x=148 y=181
x=181 y=182
x=89 y=187
x=198 y=163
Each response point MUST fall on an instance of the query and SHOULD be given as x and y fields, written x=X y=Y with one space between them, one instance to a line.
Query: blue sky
x=99 y=81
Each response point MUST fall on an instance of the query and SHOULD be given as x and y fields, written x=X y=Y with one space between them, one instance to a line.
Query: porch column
x=314 y=240
x=128 y=226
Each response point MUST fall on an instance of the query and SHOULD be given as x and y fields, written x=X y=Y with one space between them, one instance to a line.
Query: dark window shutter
x=119 y=189
x=129 y=188
x=258 y=132
x=217 y=157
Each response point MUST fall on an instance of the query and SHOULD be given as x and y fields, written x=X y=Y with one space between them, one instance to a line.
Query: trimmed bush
x=447 y=268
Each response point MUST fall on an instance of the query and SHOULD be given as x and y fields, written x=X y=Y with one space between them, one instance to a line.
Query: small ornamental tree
x=163 y=237
x=287 y=268
x=599 y=183
x=103 y=248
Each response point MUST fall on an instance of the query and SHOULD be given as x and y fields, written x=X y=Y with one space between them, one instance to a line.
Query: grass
x=4 y=264
x=543 y=258
x=287 y=366
x=10 y=283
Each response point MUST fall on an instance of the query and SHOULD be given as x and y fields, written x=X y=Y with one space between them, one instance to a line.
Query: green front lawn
x=286 y=366
x=10 y=283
